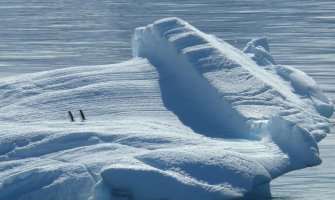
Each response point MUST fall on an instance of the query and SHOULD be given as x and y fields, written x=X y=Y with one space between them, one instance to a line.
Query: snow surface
x=194 y=118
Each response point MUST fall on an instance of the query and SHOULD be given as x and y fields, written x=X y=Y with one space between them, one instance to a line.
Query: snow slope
x=194 y=118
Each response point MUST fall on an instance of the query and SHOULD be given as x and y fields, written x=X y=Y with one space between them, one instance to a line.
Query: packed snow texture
x=190 y=117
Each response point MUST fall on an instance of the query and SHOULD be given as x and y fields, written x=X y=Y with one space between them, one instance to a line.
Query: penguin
x=82 y=116
x=71 y=116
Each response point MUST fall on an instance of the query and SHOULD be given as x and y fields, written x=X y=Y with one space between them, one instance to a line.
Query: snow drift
x=194 y=118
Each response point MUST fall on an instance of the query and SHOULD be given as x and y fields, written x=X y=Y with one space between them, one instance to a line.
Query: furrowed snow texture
x=202 y=120
x=230 y=87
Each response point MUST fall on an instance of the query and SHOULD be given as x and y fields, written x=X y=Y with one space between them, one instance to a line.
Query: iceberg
x=189 y=117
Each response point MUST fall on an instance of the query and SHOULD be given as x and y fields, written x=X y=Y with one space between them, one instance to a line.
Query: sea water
x=38 y=35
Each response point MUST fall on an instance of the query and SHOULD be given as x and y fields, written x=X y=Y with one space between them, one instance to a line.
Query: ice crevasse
x=189 y=117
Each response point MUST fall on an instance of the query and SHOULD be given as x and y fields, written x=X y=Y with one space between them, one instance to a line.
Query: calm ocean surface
x=37 y=35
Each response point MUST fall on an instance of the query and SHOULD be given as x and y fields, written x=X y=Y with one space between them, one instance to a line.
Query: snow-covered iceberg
x=190 y=117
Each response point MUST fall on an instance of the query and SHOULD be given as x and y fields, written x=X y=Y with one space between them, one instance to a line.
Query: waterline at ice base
x=189 y=117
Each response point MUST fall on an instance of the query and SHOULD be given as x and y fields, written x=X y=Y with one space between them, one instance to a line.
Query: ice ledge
x=219 y=91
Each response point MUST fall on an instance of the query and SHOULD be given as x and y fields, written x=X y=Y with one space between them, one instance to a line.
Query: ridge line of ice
x=204 y=67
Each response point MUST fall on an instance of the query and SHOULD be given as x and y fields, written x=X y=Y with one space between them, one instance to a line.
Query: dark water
x=38 y=35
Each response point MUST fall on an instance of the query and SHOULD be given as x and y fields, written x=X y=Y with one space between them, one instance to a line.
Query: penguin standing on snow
x=82 y=116
x=70 y=116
